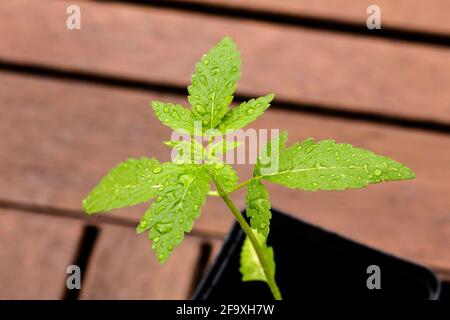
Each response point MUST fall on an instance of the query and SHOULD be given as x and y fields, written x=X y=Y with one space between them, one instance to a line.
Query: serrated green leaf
x=245 y=113
x=251 y=269
x=214 y=83
x=188 y=152
x=175 y=116
x=269 y=158
x=327 y=165
x=222 y=147
x=177 y=205
x=131 y=182
x=258 y=207
x=224 y=174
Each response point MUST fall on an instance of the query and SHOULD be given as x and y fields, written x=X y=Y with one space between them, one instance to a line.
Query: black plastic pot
x=313 y=263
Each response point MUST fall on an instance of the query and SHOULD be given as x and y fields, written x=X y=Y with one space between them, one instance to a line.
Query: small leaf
x=245 y=113
x=224 y=174
x=188 y=152
x=251 y=269
x=268 y=160
x=131 y=182
x=214 y=83
x=326 y=165
x=175 y=208
x=258 y=207
x=222 y=147
x=175 y=116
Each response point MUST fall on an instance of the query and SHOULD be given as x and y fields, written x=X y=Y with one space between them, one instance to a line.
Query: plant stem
x=243 y=184
x=249 y=232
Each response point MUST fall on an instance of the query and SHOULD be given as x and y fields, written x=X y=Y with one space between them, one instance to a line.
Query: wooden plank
x=56 y=163
x=427 y=16
x=124 y=267
x=301 y=65
x=63 y=137
x=34 y=255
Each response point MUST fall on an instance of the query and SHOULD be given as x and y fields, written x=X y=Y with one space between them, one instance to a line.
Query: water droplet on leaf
x=203 y=79
x=157 y=170
x=160 y=209
x=164 y=227
x=200 y=109
x=143 y=224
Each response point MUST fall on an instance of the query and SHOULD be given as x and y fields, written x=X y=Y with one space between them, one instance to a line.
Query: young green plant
x=180 y=187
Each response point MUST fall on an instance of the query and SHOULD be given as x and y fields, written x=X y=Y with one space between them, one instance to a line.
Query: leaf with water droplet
x=250 y=266
x=132 y=182
x=258 y=207
x=157 y=170
x=221 y=148
x=163 y=228
x=219 y=165
x=269 y=158
x=188 y=152
x=342 y=166
x=245 y=113
x=224 y=174
x=174 y=213
x=218 y=73
x=175 y=116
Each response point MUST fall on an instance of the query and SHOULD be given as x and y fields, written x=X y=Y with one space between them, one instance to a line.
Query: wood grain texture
x=301 y=65
x=124 y=267
x=429 y=16
x=35 y=251
x=63 y=137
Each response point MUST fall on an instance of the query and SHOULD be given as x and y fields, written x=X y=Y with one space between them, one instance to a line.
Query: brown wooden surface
x=300 y=65
x=123 y=266
x=35 y=251
x=430 y=16
x=59 y=137
x=384 y=215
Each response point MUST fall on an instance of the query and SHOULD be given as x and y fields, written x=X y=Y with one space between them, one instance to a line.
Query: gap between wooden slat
x=81 y=259
x=93 y=220
x=298 y=20
x=305 y=66
x=144 y=85
x=202 y=264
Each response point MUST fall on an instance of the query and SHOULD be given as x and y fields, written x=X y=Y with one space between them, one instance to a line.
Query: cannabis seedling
x=180 y=187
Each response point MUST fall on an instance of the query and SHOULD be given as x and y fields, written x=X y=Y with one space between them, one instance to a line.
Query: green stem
x=249 y=232
x=243 y=184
